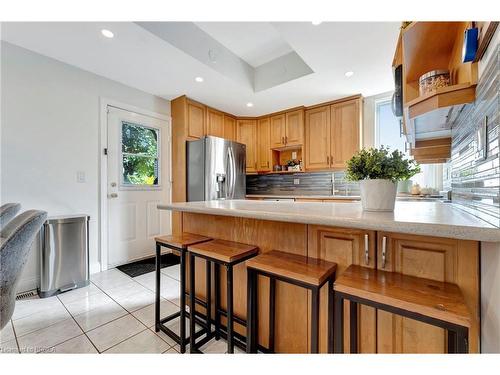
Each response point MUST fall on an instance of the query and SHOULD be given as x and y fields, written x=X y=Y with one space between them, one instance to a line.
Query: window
x=140 y=155
x=388 y=134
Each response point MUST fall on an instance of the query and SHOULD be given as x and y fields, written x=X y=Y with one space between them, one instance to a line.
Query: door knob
x=113 y=184
x=113 y=195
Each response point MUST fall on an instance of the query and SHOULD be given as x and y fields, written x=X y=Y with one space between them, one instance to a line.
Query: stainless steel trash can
x=64 y=254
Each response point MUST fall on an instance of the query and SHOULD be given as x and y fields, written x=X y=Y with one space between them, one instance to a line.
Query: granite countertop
x=423 y=218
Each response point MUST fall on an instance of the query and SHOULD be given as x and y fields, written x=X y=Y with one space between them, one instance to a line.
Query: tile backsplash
x=474 y=178
x=311 y=183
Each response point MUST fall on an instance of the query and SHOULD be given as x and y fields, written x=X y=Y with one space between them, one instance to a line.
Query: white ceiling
x=255 y=42
x=142 y=60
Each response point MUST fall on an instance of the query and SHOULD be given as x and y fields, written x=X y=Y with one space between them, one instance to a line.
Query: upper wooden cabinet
x=278 y=130
x=264 y=153
x=345 y=132
x=229 y=128
x=332 y=134
x=441 y=259
x=215 y=123
x=287 y=129
x=247 y=134
x=317 y=145
x=294 y=128
x=195 y=117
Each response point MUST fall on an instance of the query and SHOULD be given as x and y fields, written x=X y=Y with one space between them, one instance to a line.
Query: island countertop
x=423 y=218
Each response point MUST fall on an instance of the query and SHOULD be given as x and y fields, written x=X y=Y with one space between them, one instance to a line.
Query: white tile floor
x=114 y=314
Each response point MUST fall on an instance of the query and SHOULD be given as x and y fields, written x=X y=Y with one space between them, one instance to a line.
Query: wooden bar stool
x=294 y=269
x=178 y=243
x=433 y=302
x=227 y=254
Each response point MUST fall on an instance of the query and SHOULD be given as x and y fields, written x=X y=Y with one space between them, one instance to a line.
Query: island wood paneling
x=345 y=247
x=291 y=323
x=441 y=259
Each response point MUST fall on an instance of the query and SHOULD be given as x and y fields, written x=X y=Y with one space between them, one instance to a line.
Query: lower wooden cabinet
x=345 y=247
x=442 y=259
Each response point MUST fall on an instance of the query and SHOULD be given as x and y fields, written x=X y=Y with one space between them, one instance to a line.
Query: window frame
x=384 y=101
x=139 y=187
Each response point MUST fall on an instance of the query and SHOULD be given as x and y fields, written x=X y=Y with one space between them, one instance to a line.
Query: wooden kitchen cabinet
x=229 y=128
x=287 y=129
x=345 y=132
x=317 y=136
x=247 y=134
x=332 y=134
x=442 y=259
x=345 y=246
x=278 y=130
x=294 y=133
x=215 y=123
x=264 y=153
x=195 y=119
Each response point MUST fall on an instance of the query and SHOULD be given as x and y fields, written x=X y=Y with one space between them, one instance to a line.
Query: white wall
x=49 y=131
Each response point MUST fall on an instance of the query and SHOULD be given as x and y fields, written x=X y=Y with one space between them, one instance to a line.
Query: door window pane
x=140 y=161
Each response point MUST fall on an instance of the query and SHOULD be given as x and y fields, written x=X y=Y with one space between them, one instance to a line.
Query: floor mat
x=148 y=265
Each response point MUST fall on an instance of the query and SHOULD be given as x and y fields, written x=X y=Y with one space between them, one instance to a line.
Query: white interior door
x=138 y=164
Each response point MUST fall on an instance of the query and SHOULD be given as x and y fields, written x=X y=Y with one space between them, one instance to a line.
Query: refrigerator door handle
x=232 y=177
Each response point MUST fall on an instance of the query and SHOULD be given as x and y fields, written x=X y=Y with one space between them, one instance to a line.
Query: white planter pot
x=378 y=195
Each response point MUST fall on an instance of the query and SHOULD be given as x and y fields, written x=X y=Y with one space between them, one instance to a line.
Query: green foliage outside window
x=140 y=155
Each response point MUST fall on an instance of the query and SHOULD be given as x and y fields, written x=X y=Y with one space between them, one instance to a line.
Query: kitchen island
x=425 y=239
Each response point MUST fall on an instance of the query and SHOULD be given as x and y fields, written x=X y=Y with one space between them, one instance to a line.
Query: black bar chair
x=221 y=253
x=309 y=273
x=433 y=302
x=178 y=243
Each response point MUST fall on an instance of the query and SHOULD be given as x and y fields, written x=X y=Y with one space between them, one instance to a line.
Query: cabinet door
x=345 y=133
x=278 y=128
x=317 y=134
x=195 y=120
x=345 y=247
x=263 y=145
x=294 y=128
x=215 y=123
x=229 y=128
x=247 y=134
x=454 y=261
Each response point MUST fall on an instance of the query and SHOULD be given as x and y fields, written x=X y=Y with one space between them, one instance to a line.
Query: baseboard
x=27 y=284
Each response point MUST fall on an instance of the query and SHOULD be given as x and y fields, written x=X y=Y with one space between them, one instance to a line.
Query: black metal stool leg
x=192 y=297
x=272 y=312
x=209 y=297
x=217 y=300
x=182 y=318
x=157 y=291
x=353 y=327
x=230 y=343
x=338 y=344
x=330 y=313
x=462 y=340
x=251 y=311
x=314 y=320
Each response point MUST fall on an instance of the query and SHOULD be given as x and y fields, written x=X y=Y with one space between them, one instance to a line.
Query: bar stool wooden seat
x=177 y=243
x=433 y=302
x=298 y=270
x=227 y=254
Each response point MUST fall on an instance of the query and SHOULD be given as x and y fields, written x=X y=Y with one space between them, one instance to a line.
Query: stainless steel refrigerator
x=215 y=169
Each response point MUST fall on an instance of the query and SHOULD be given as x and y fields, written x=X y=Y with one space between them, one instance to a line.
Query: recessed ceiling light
x=199 y=79
x=316 y=23
x=349 y=74
x=249 y=104
x=107 y=33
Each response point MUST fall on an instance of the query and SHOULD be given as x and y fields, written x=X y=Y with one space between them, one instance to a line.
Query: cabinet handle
x=286 y=139
x=255 y=165
x=282 y=140
x=367 y=255
x=384 y=250
x=268 y=164
x=328 y=159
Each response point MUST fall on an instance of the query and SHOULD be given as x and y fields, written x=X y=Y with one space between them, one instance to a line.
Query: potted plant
x=378 y=171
